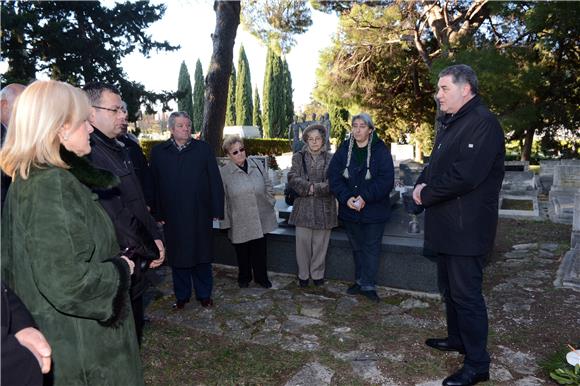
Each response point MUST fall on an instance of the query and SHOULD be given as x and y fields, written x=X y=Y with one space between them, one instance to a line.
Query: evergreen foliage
x=244 y=109
x=231 y=106
x=257 y=113
x=198 y=98
x=184 y=96
x=288 y=102
x=51 y=37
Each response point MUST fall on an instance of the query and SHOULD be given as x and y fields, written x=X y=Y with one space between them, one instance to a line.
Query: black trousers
x=138 y=316
x=460 y=281
x=252 y=259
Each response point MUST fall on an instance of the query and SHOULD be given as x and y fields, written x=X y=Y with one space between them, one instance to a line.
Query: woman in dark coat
x=361 y=176
x=59 y=251
x=188 y=196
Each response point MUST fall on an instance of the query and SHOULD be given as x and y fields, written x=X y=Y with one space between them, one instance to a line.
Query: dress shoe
x=303 y=283
x=265 y=284
x=371 y=295
x=179 y=304
x=465 y=377
x=318 y=282
x=444 y=345
x=243 y=284
x=353 y=289
x=206 y=303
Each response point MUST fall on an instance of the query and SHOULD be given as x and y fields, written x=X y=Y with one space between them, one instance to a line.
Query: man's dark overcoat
x=463 y=178
x=188 y=195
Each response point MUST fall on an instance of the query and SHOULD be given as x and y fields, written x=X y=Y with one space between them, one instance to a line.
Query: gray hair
x=174 y=115
x=461 y=73
x=369 y=122
x=231 y=140
x=365 y=118
x=316 y=127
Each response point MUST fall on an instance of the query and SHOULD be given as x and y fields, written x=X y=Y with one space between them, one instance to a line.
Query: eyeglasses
x=361 y=126
x=315 y=139
x=235 y=152
x=116 y=110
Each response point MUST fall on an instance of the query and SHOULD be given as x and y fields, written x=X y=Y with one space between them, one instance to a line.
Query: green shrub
x=254 y=146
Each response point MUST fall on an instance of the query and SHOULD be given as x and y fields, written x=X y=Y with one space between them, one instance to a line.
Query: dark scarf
x=86 y=173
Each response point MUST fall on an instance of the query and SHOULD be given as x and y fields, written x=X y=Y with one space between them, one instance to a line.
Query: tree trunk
x=527 y=145
x=218 y=76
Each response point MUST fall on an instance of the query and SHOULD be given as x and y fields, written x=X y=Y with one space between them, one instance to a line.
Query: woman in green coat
x=59 y=251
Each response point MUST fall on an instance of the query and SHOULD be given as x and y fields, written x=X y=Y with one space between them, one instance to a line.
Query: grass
x=511 y=204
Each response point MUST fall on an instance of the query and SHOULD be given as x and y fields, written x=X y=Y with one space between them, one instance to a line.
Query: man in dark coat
x=188 y=195
x=8 y=96
x=125 y=204
x=26 y=354
x=460 y=191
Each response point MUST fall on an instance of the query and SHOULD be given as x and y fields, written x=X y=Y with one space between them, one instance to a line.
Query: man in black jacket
x=26 y=354
x=125 y=203
x=460 y=191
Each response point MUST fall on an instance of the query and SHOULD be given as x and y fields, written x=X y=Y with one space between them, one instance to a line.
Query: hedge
x=254 y=146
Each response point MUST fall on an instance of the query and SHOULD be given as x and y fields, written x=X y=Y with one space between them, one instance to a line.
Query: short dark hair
x=461 y=73
x=174 y=115
x=95 y=90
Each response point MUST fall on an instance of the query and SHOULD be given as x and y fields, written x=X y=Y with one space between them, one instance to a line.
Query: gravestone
x=575 y=239
x=546 y=176
x=519 y=186
x=402 y=152
x=516 y=166
x=566 y=185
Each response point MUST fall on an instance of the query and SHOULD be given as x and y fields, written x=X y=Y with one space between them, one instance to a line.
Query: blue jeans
x=365 y=241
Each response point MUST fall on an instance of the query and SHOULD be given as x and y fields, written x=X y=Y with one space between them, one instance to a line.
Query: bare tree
x=216 y=90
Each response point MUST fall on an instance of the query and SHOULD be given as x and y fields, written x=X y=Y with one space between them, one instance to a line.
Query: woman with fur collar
x=59 y=251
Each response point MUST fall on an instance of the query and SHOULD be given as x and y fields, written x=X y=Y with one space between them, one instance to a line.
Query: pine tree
x=198 y=98
x=231 y=109
x=288 y=115
x=257 y=114
x=243 y=91
x=185 y=101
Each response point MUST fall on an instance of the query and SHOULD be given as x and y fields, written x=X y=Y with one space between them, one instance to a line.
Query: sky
x=190 y=23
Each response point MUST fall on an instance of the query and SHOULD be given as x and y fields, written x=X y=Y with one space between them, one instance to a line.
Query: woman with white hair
x=59 y=250
x=361 y=176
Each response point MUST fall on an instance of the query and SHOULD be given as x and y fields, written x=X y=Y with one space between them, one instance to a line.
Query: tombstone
x=575 y=239
x=402 y=152
x=546 y=176
x=517 y=166
x=570 y=162
x=519 y=183
x=566 y=185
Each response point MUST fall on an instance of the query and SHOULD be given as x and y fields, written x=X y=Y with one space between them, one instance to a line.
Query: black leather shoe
x=243 y=284
x=465 y=377
x=206 y=303
x=303 y=283
x=353 y=289
x=265 y=284
x=371 y=295
x=318 y=282
x=178 y=305
x=443 y=345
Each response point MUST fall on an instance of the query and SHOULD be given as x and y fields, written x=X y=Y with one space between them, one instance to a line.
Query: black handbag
x=290 y=194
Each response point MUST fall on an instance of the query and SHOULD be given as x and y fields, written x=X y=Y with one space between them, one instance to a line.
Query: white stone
x=312 y=374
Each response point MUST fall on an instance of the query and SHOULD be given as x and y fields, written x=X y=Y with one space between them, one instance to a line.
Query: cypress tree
x=243 y=91
x=288 y=115
x=266 y=127
x=277 y=105
x=185 y=102
x=231 y=109
x=257 y=114
x=198 y=98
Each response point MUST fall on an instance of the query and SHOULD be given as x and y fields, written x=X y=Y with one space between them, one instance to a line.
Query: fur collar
x=86 y=173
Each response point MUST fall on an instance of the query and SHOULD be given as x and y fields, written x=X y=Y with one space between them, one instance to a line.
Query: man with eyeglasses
x=124 y=203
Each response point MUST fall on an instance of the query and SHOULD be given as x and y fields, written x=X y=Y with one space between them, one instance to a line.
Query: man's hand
x=34 y=341
x=158 y=262
x=417 y=194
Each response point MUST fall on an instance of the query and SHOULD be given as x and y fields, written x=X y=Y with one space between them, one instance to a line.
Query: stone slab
x=517 y=166
x=515 y=213
x=575 y=239
x=519 y=183
x=566 y=177
x=568 y=275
